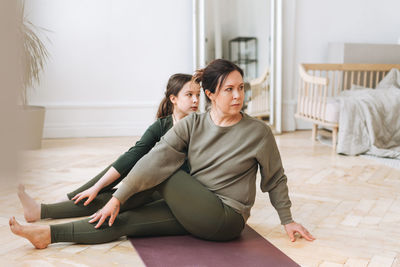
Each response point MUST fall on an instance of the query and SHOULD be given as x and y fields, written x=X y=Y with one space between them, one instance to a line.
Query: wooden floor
x=350 y=204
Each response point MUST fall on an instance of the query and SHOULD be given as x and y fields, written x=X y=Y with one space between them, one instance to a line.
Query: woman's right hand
x=90 y=194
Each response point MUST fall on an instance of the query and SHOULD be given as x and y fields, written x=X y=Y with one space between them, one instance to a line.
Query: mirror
x=247 y=33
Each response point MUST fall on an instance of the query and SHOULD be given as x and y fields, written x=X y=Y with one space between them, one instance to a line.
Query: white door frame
x=276 y=66
x=199 y=42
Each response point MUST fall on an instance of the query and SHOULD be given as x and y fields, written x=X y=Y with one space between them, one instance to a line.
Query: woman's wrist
x=115 y=200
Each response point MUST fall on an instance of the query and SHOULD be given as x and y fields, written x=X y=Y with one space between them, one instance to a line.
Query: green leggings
x=68 y=209
x=186 y=207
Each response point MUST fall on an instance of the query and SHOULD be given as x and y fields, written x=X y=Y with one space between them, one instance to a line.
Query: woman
x=181 y=98
x=224 y=148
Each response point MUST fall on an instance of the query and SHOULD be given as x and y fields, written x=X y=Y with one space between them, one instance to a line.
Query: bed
x=325 y=90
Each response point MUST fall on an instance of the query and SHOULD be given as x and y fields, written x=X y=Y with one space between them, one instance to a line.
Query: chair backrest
x=260 y=95
x=262 y=79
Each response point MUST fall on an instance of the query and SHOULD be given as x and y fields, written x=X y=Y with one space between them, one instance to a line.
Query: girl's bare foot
x=31 y=208
x=38 y=235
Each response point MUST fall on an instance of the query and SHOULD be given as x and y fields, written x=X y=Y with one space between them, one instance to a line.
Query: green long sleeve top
x=223 y=159
x=152 y=135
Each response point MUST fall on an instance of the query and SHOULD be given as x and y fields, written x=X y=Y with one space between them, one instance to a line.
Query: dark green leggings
x=67 y=209
x=186 y=207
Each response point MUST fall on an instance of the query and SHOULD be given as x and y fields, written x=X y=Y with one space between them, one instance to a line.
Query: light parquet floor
x=350 y=204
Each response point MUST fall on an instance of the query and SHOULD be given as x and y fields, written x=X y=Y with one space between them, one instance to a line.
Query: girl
x=181 y=98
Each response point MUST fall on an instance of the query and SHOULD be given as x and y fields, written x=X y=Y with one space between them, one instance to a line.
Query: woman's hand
x=111 y=209
x=294 y=227
x=90 y=194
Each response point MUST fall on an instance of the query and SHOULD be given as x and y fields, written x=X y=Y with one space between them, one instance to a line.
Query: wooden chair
x=260 y=96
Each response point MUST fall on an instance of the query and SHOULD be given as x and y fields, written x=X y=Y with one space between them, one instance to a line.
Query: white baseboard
x=97 y=120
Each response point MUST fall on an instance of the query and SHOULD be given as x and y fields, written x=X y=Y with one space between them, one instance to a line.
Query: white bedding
x=332 y=112
x=332 y=108
x=370 y=119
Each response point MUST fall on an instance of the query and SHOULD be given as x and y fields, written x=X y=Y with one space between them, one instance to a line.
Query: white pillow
x=392 y=79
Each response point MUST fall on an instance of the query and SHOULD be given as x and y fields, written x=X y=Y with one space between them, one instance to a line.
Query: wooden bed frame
x=320 y=81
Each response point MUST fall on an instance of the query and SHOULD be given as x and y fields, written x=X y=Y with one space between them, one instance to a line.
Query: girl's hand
x=90 y=194
x=294 y=227
x=111 y=209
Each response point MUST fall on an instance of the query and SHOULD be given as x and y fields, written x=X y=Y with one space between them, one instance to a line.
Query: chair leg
x=334 y=137
x=314 y=132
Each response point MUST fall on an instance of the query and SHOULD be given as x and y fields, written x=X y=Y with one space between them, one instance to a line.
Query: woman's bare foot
x=31 y=208
x=38 y=235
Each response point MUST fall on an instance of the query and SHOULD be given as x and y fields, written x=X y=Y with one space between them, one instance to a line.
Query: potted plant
x=34 y=57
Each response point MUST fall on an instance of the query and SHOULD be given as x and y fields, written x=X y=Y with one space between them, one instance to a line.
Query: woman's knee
x=229 y=228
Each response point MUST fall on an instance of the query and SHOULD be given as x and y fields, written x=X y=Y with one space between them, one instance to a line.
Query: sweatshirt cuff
x=285 y=216
x=122 y=194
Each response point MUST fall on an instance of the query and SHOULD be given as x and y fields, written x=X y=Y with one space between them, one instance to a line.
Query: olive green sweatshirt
x=223 y=159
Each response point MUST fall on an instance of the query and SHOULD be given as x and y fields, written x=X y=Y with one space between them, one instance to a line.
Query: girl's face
x=228 y=98
x=187 y=100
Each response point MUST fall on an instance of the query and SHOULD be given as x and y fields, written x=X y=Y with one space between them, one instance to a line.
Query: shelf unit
x=243 y=52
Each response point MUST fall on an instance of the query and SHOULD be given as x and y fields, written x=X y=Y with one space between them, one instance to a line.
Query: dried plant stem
x=35 y=55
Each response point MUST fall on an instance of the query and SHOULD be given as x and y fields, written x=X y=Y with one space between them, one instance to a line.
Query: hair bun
x=198 y=76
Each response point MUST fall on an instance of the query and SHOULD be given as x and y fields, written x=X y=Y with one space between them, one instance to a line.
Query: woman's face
x=228 y=98
x=187 y=100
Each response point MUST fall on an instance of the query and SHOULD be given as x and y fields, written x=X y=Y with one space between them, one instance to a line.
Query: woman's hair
x=174 y=86
x=214 y=75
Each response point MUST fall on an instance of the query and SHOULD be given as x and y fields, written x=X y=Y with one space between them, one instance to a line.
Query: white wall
x=110 y=62
x=309 y=25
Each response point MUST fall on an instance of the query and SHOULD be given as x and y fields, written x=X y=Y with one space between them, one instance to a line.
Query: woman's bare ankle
x=31 y=208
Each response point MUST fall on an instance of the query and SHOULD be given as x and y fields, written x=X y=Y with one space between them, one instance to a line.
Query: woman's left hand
x=294 y=227
x=111 y=209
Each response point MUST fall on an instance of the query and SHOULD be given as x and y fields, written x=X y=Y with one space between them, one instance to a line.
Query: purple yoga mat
x=251 y=249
